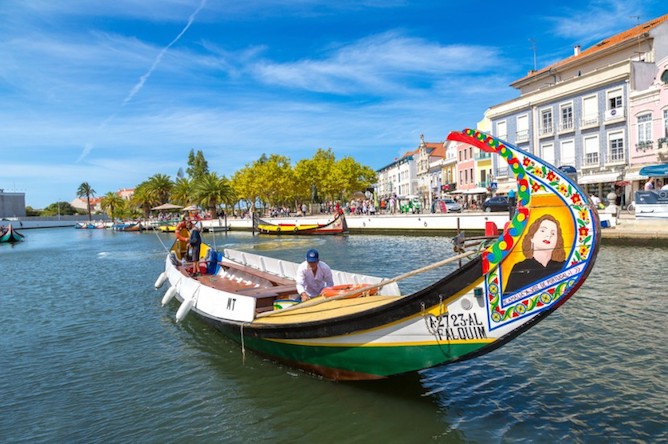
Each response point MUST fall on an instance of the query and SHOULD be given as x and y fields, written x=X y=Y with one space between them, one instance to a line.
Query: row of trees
x=270 y=180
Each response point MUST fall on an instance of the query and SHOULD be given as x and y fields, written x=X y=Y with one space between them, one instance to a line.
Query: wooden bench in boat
x=265 y=296
x=279 y=280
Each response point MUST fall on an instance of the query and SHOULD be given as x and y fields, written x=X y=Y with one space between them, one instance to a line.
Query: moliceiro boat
x=373 y=331
x=10 y=235
x=337 y=225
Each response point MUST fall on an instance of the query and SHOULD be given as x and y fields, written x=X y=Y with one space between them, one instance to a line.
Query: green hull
x=359 y=362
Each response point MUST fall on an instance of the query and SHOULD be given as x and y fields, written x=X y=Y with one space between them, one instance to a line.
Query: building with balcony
x=575 y=112
x=398 y=178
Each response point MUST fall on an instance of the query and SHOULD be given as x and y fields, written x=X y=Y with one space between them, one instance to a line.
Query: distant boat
x=337 y=225
x=364 y=328
x=128 y=226
x=89 y=225
x=10 y=235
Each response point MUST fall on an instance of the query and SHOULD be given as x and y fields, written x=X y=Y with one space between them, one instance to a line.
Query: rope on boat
x=163 y=244
x=243 y=346
x=381 y=284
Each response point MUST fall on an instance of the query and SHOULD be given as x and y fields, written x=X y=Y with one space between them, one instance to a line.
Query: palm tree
x=211 y=190
x=86 y=190
x=142 y=198
x=112 y=202
x=159 y=188
x=182 y=191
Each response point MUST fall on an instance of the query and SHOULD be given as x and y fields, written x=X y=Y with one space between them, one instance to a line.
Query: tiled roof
x=622 y=37
x=439 y=150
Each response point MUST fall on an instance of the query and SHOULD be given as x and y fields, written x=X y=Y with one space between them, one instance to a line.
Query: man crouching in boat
x=312 y=276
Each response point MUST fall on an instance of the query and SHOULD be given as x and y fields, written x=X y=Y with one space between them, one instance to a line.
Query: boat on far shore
x=10 y=235
x=337 y=225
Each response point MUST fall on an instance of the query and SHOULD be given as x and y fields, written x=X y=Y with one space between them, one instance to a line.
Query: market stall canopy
x=167 y=206
x=190 y=208
x=660 y=170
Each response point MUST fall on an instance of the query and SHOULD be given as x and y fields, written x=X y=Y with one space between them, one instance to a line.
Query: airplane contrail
x=148 y=73
x=142 y=80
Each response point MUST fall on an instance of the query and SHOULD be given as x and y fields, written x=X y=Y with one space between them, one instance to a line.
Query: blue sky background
x=112 y=92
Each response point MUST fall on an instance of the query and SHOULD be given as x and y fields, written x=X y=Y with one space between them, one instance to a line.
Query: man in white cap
x=312 y=276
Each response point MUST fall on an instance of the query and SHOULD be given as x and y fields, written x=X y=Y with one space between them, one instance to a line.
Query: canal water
x=89 y=355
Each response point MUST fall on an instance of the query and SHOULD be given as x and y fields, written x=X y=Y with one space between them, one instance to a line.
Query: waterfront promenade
x=630 y=228
x=627 y=227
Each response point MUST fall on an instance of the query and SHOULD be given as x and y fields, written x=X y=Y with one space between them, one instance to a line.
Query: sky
x=112 y=92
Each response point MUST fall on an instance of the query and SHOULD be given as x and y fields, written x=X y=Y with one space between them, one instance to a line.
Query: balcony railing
x=566 y=125
x=645 y=145
x=522 y=136
x=546 y=130
x=589 y=121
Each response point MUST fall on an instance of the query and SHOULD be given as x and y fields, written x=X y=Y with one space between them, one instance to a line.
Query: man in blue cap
x=312 y=276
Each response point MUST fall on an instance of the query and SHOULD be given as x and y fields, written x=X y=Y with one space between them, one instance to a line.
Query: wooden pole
x=314 y=302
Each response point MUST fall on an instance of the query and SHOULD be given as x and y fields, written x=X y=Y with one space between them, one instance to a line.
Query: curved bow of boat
x=542 y=191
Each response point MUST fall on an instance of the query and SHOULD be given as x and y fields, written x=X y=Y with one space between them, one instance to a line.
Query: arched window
x=664 y=77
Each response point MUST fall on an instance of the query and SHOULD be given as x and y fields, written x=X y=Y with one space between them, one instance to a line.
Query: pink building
x=648 y=120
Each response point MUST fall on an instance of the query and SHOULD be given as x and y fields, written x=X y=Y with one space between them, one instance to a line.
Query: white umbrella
x=190 y=208
x=167 y=206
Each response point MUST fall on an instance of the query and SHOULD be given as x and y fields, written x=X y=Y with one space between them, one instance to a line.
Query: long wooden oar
x=313 y=302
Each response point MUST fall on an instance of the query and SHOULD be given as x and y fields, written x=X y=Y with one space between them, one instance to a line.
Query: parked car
x=446 y=205
x=496 y=203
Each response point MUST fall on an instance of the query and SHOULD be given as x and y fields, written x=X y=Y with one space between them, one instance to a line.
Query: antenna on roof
x=639 y=52
x=533 y=47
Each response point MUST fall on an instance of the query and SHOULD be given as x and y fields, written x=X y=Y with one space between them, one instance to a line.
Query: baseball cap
x=312 y=256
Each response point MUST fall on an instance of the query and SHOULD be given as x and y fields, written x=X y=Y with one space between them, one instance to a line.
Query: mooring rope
x=163 y=244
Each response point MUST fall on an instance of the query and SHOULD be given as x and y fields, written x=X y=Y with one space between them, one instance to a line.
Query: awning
x=633 y=173
x=167 y=206
x=598 y=178
x=505 y=187
x=660 y=170
x=477 y=190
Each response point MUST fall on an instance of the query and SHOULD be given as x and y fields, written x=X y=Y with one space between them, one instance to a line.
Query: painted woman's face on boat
x=546 y=236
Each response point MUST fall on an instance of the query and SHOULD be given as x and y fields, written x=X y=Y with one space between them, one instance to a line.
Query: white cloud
x=378 y=65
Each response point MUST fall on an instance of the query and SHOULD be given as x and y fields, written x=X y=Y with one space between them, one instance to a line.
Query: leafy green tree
x=275 y=179
x=59 y=208
x=85 y=190
x=244 y=186
x=112 y=203
x=197 y=165
x=349 y=176
x=30 y=211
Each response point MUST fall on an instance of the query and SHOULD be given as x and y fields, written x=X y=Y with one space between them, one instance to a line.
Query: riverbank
x=629 y=228
x=625 y=228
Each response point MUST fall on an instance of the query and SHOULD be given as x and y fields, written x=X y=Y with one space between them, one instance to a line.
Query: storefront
x=601 y=184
